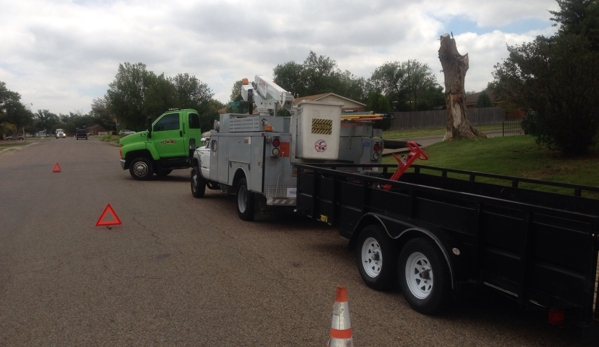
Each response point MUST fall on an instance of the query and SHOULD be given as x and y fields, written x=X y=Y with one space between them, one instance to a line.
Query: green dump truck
x=166 y=145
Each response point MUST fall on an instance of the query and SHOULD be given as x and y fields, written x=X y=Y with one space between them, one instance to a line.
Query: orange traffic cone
x=341 y=326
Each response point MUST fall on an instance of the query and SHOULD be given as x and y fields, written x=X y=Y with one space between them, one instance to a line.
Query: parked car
x=17 y=137
x=126 y=132
x=81 y=133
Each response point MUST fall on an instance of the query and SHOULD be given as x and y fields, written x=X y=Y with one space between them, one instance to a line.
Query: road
x=187 y=272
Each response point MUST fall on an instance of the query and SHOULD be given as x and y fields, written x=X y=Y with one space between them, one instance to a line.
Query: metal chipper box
x=318 y=127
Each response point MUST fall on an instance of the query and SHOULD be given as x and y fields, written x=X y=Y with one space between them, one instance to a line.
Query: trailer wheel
x=198 y=184
x=245 y=201
x=377 y=258
x=141 y=169
x=424 y=276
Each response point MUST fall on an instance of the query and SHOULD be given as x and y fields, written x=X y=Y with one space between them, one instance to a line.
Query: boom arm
x=266 y=94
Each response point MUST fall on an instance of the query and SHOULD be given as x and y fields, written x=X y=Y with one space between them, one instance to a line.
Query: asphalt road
x=187 y=272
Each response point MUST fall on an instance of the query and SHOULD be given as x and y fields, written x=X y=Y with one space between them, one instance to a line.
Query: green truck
x=167 y=144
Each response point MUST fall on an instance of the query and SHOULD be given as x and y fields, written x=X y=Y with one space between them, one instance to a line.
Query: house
x=473 y=98
x=96 y=130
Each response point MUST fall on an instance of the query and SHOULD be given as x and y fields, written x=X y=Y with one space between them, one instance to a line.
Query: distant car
x=60 y=134
x=11 y=137
x=81 y=133
x=126 y=132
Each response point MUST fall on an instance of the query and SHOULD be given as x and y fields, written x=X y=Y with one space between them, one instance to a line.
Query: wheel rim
x=242 y=199
x=194 y=182
x=419 y=275
x=141 y=169
x=372 y=257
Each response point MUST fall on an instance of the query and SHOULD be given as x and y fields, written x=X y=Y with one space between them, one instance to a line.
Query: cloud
x=60 y=55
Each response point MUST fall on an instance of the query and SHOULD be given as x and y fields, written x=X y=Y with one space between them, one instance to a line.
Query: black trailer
x=439 y=231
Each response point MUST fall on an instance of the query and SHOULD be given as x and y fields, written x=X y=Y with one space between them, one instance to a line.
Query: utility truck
x=168 y=144
x=437 y=232
x=253 y=155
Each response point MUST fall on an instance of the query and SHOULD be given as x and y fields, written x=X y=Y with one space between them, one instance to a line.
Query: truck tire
x=424 y=276
x=141 y=169
x=245 y=201
x=198 y=184
x=376 y=256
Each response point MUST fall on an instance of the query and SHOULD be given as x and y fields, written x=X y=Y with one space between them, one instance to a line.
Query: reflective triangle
x=115 y=219
x=56 y=168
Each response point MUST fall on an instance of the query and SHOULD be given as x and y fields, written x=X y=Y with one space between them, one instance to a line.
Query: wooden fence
x=438 y=119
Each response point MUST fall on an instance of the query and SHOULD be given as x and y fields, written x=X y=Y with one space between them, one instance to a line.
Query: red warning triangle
x=115 y=219
x=56 y=168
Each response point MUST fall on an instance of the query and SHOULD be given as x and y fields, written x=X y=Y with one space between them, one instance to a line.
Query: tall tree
x=46 y=121
x=578 y=17
x=455 y=67
x=191 y=92
x=556 y=79
x=128 y=94
x=102 y=116
x=289 y=77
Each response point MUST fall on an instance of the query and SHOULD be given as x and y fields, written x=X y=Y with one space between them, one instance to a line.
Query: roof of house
x=473 y=98
x=319 y=97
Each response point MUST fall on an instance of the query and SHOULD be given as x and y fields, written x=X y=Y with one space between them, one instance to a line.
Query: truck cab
x=166 y=145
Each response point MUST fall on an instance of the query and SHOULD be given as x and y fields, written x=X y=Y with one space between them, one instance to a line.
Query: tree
x=579 y=17
x=377 y=103
x=46 y=120
x=128 y=95
x=455 y=67
x=289 y=77
x=483 y=100
x=410 y=85
x=555 y=78
x=191 y=93
x=102 y=116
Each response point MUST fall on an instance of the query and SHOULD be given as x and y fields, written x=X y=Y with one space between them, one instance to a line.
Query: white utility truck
x=253 y=155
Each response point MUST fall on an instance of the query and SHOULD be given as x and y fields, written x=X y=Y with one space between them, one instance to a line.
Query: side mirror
x=192 y=146
x=149 y=127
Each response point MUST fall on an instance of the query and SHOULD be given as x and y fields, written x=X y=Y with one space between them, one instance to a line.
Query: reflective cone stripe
x=341 y=325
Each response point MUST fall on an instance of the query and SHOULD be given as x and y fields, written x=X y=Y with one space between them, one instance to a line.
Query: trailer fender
x=407 y=232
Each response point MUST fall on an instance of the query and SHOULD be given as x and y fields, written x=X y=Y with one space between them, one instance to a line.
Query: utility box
x=318 y=127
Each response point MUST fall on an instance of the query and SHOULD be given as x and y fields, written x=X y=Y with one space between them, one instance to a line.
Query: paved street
x=187 y=272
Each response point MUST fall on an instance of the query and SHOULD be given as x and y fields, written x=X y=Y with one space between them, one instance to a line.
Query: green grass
x=517 y=156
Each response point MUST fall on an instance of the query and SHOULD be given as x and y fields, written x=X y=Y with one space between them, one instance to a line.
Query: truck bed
x=537 y=247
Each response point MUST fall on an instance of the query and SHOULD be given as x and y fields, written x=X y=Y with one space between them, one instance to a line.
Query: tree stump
x=455 y=66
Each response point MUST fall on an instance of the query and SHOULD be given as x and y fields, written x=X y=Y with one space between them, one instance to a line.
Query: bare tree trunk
x=455 y=66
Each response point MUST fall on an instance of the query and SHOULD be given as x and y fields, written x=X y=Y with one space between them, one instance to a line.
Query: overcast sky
x=61 y=54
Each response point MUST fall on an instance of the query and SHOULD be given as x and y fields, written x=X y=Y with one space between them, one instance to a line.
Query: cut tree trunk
x=455 y=66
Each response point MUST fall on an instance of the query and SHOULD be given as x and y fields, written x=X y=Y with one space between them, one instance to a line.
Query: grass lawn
x=516 y=156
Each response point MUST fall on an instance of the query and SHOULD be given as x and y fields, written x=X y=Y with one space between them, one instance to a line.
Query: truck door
x=167 y=136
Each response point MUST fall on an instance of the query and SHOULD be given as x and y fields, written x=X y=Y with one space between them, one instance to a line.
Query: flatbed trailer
x=439 y=231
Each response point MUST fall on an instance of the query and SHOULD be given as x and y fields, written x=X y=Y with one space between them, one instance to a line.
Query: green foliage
x=483 y=100
x=557 y=79
x=377 y=103
x=579 y=17
x=409 y=85
x=136 y=94
x=318 y=75
x=46 y=121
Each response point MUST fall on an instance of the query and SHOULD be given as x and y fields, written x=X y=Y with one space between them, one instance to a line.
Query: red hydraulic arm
x=404 y=163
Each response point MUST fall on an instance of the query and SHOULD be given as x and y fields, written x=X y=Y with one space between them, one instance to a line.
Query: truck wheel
x=377 y=258
x=198 y=184
x=245 y=201
x=424 y=276
x=141 y=169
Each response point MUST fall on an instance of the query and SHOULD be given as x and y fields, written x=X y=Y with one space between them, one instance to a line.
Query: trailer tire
x=376 y=256
x=198 y=184
x=424 y=276
x=245 y=201
x=141 y=168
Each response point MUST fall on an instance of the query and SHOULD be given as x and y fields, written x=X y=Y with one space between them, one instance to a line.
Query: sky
x=60 y=55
